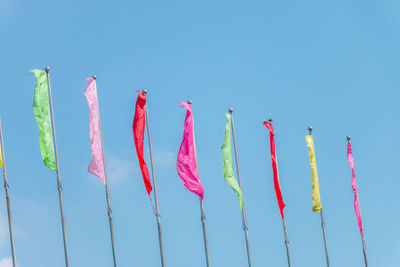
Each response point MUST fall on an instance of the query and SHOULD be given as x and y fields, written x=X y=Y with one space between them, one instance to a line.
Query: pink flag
x=96 y=165
x=354 y=185
x=186 y=163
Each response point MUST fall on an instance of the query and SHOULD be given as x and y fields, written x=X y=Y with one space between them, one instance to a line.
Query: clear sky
x=330 y=65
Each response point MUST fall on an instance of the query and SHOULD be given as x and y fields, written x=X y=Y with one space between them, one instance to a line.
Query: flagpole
x=155 y=186
x=283 y=218
x=240 y=184
x=6 y=187
x=362 y=232
x=109 y=211
x=364 y=249
x=322 y=223
x=203 y=217
x=59 y=187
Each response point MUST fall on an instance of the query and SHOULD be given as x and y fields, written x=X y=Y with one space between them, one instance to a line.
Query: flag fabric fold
x=186 y=164
x=138 y=127
x=314 y=175
x=275 y=168
x=42 y=116
x=96 y=164
x=354 y=185
x=229 y=174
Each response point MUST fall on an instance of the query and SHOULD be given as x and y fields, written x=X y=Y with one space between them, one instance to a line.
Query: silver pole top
x=348 y=138
x=230 y=110
x=310 y=129
x=144 y=91
x=94 y=77
x=189 y=102
x=47 y=69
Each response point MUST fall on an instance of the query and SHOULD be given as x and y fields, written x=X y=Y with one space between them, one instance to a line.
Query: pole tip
x=189 y=102
x=94 y=77
x=348 y=138
x=230 y=110
x=310 y=129
x=47 y=69
x=270 y=120
x=144 y=91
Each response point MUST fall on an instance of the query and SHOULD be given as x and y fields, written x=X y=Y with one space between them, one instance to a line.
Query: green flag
x=41 y=113
x=227 y=161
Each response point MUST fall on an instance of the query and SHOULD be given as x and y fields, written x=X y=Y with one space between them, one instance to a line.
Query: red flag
x=138 y=126
x=275 y=168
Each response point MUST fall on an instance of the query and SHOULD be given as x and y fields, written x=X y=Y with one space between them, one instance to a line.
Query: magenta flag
x=96 y=165
x=354 y=185
x=186 y=164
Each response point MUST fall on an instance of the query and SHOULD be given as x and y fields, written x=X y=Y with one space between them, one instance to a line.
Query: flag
x=186 y=164
x=314 y=175
x=96 y=165
x=138 y=126
x=229 y=175
x=275 y=168
x=42 y=116
x=1 y=161
x=354 y=185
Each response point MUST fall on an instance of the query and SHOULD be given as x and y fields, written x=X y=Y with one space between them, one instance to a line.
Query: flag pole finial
x=310 y=129
x=144 y=91
x=94 y=77
x=47 y=69
x=348 y=138
x=230 y=110
x=270 y=120
x=189 y=102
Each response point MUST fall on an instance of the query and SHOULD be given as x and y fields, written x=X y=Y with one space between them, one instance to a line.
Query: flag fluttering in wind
x=1 y=161
x=42 y=116
x=275 y=168
x=229 y=174
x=96 y=165
x=138 y=126
x=186 y=164
x=314 y=175
x=354 y=185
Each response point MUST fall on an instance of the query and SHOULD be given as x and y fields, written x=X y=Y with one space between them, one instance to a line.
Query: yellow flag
x=314 y=175
x=1 y=161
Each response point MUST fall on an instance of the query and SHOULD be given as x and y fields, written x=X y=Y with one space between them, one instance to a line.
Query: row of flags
x=186 y=165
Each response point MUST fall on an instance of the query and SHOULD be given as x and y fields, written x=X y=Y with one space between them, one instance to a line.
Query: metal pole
x=240 y=184
x=326 y=244
x=283 y=219
x=59 y=187
x=109 y=211
x=286 y=242
x=362 y=232
x=203 y=221
x=6 y=187
x=364 y=250
x=322 y=223
x=203 y=217
x=155 y=186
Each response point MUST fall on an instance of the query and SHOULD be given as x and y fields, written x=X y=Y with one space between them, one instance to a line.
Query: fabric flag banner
x=186 y=164
x=275 y=168
x=314 y=175
x=1 y=161
x=354 y=185
x=138 y=126
x=96 y=165
x=229 y=175
x=42 y=117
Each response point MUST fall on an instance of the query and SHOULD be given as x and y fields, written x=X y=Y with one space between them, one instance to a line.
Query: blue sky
x=330 y=65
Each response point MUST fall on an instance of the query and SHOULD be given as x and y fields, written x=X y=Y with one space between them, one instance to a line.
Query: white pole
x=6 y=188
